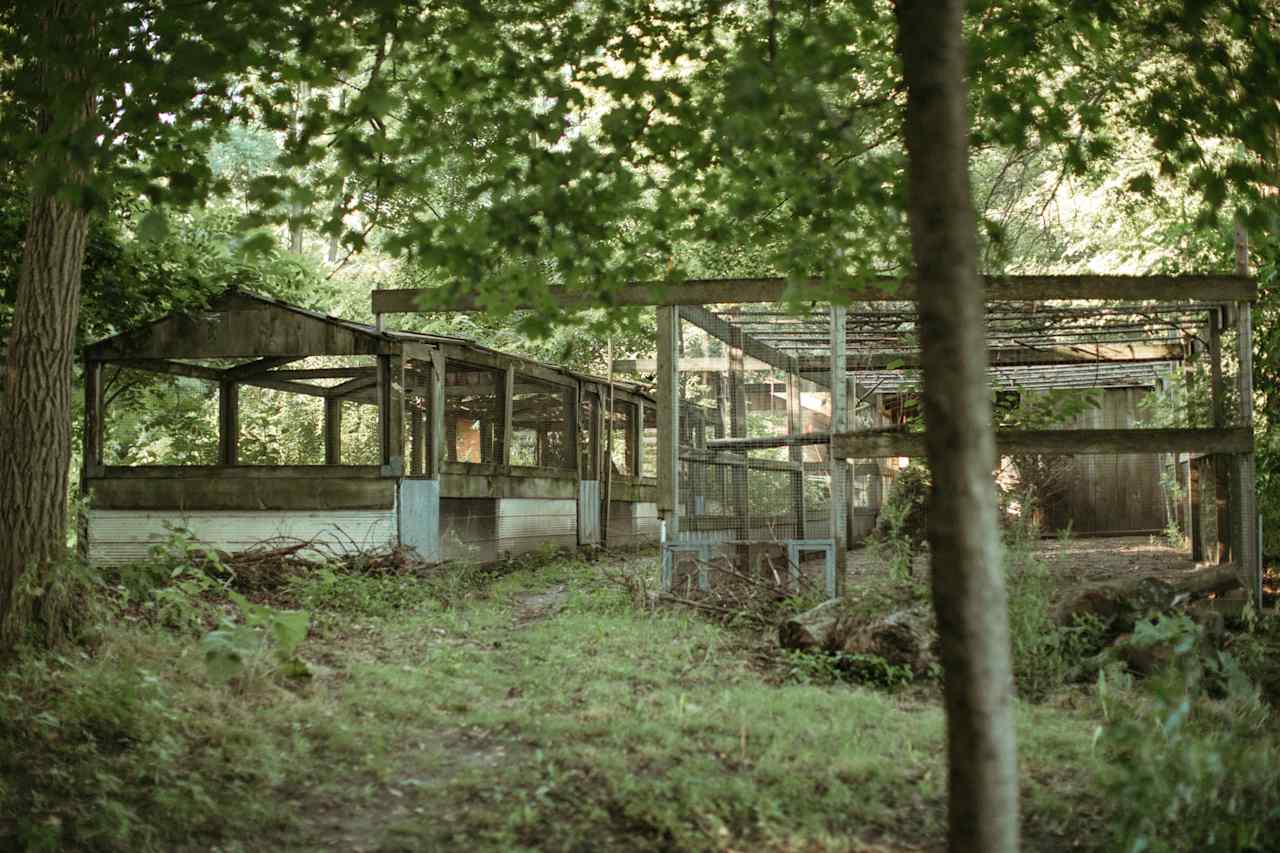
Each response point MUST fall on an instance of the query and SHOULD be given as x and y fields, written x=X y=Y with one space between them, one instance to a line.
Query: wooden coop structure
x=479 y=453
x=777 y=433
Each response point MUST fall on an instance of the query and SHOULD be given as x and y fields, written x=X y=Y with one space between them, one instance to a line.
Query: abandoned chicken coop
x=783 y=415
x=465 y=452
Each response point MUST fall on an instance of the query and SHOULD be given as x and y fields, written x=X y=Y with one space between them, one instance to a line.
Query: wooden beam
x=352 y=386
x=885 y=444
x=999 y=357
x=1211 y=288
x=172 y=368
x=228 y=423
x=748 y=347
x=258 y=366
x=322 y=373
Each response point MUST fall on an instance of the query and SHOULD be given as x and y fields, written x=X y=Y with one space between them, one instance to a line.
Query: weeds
x=1188 y=772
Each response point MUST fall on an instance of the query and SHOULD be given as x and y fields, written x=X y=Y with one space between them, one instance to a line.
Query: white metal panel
x=589 y=512
x=525 y=524
x=122 y=536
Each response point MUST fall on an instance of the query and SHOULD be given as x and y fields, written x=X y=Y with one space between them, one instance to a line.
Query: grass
x=539 y=709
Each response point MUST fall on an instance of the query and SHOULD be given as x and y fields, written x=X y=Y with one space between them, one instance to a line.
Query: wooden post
x=795 y=426
x=417 y=441
x=436 y=433
x=573 y=441
x=839 y=467
x=228 y=423
x=94 y=420
x=505 y=431
x=669 y=417
x=1245 y=548
x=391 y=414
x=1222 y=549
x=333 y=431
x=606 y=472
x=738 y=429
x=1194 y=501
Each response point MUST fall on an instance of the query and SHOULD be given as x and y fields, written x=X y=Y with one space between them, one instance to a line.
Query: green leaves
x=266 y=640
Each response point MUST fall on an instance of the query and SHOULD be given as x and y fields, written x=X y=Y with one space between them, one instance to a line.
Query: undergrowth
x=546 y=705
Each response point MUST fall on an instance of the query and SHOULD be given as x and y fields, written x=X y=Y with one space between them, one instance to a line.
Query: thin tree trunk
x=35 y=406
x=967 y=581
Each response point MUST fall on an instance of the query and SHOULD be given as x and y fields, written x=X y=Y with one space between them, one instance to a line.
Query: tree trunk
x=967 y=580
x=35 y=406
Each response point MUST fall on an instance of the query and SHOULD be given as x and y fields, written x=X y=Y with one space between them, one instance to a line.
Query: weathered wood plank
x=236 y=472
x=227 y=493
x=1214 y=287
x=249 y=332
x=468 y=485
x=881 y=444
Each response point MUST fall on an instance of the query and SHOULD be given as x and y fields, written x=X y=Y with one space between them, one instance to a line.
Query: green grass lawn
x=540 y=709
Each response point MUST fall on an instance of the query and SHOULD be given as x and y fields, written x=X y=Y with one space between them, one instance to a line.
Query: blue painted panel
x=420 y=517
x=589 y=512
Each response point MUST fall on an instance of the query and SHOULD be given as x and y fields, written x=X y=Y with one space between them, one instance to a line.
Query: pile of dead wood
x=905 y=638
x=908 y=638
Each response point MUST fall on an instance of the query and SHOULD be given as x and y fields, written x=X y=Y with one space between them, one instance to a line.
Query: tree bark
x=35 y=406
x=967 y=579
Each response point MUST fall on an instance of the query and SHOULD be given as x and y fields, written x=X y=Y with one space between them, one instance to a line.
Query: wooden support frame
x=696 y=292
x=734 y=337
x=1049 y=355
x=795 y=426
x=228 y=423
x=391 y=414
x=840 y=469
x=1222 y=548
x=669 y=416
x=884 y=444
x=333 y=431
x=94 y=418
x=1245 y=545
x=739 y=477
x=437 y=449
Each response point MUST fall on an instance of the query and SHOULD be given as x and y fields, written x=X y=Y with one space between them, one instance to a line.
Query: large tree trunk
x=967 y=580
x=35 y=404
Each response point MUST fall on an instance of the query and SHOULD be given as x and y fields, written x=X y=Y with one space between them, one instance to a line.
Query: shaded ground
x=548 y=709
x=1073 y=562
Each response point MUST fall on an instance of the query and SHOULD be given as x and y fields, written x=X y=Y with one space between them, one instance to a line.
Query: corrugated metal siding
x=526 y=524
x=589 y=512
x=121 y=536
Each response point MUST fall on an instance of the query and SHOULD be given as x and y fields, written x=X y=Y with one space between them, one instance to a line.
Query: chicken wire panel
x=731 y=388
x=473 y=412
